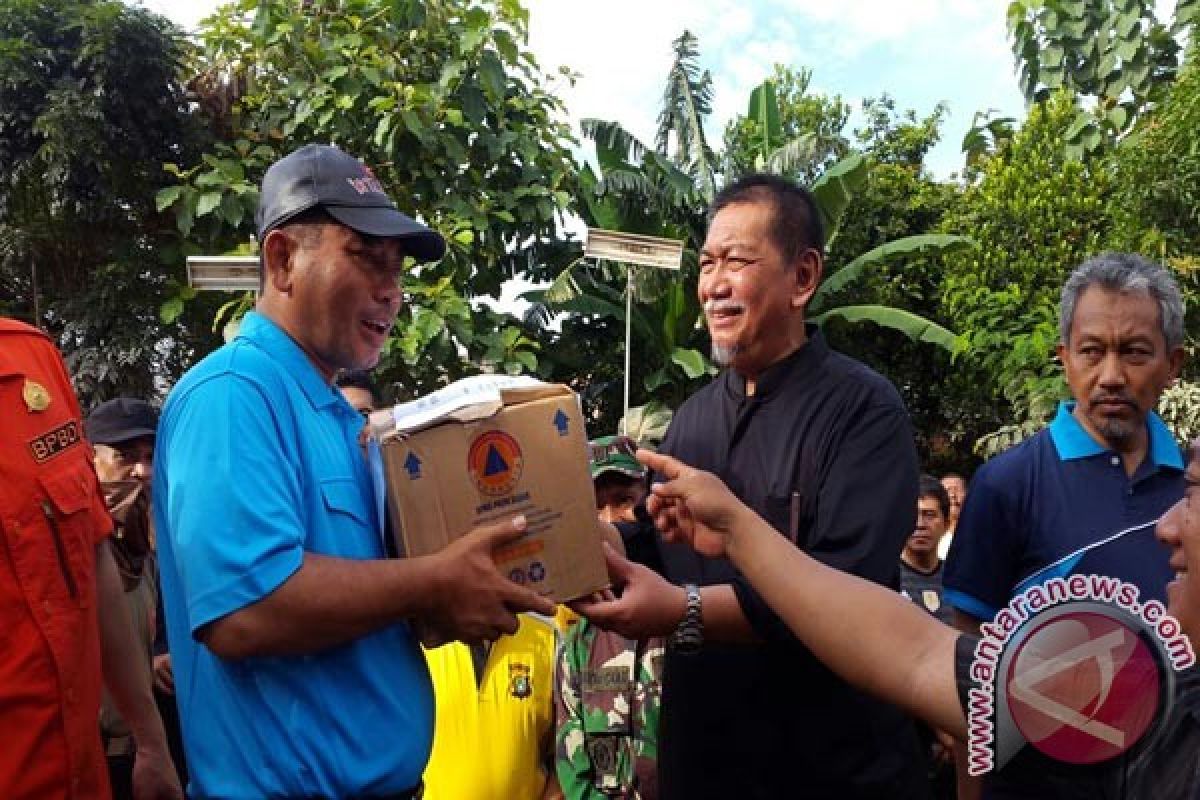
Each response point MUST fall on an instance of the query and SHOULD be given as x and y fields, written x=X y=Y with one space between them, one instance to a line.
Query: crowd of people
x=209 y=597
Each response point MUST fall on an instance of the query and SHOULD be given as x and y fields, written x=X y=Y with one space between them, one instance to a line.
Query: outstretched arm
x=870 y=636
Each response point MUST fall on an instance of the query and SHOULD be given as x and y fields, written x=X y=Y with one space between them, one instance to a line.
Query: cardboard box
x=486 y=449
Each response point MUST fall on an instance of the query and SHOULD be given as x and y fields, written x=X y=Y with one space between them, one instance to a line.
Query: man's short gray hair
x=1125 y=272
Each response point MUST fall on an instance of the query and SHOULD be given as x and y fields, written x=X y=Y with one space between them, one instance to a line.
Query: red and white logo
x=1083 y=687
x=367 y=183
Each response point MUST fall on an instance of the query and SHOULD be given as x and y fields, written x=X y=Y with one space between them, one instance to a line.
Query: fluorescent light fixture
x=633 y=248
x=223 y=273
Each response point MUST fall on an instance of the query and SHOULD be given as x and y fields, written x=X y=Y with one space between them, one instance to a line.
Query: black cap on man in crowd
x=120 y=420
x=322 y=176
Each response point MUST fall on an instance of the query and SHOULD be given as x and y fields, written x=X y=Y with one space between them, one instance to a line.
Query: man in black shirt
x=821 y=447
x=920 y=567
x=921 y=582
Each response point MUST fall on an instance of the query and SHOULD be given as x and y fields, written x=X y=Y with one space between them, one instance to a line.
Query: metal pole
x=628 y=329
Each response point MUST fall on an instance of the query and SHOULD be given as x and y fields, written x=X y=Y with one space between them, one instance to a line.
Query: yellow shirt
x=492 y=738
x=564 y=618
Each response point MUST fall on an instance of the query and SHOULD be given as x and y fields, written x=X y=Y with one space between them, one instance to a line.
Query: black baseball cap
x=320 y=175
x=119 y=420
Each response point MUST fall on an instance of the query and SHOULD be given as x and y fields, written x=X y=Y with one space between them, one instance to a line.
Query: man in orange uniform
x=60 y=596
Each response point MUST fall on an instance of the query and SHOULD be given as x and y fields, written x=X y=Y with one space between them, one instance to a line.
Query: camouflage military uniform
x=606 y=701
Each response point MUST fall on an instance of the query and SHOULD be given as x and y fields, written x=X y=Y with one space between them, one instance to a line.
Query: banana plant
x=637 y=189
x=775 y=153
x=647 y=425
x=916 y=327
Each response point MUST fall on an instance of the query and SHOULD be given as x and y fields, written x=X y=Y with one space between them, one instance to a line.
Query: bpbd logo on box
x=494 y=461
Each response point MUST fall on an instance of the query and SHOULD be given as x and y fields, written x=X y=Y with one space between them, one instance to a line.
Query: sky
x=922 y=52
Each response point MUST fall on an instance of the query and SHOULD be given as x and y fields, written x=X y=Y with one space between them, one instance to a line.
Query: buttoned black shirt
x=823 y=450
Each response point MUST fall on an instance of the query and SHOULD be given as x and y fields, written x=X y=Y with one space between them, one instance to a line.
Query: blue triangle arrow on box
x=412 y=465
x=561 y=422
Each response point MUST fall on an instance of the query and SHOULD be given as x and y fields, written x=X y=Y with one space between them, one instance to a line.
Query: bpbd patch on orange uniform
x=55 y=442
x=495 y=462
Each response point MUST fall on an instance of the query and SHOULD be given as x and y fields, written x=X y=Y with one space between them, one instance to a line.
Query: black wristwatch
x=688 y=637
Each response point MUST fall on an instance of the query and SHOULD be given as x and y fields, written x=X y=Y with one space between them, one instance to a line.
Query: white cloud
x=621 y=49
x=185 y=13
x=864 y=23
x=731 y=23
x=867 y=20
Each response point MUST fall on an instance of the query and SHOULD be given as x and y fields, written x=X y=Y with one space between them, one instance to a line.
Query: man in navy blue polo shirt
x=1082 y=496
x=295 y=671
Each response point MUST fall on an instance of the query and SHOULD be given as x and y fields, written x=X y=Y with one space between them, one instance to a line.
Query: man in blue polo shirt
x=295 y=671
x=1082 y=496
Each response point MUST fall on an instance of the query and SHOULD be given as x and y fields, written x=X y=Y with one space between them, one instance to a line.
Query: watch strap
x=689 y=633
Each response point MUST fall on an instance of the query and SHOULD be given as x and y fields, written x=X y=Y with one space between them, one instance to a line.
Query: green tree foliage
x=899 y=197
x=803 y=130
x=449 y=108
x=659 y=191
x=1157 y=191
x=898 y=200
x=1114 y=56
x=988 y=134
x=1156 y=211
x=90 y=107
x=889 y=136
x=1036 y=215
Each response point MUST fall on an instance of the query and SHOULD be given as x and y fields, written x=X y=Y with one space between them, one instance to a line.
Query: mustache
x=719 y=306
x=1110 y=399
